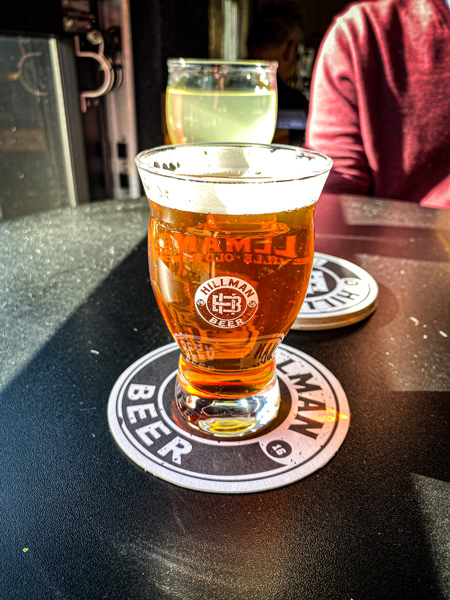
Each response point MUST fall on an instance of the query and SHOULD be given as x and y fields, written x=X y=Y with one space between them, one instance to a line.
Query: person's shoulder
x=354 y=26
x=370 y=10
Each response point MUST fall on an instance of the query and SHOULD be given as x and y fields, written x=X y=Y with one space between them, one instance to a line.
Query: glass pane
x=35 y=167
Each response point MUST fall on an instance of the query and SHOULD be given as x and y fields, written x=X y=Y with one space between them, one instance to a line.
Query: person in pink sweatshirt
x=380 y=102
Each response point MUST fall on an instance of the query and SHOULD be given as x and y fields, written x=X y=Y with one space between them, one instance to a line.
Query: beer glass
x=221 y=101
x=231 y=245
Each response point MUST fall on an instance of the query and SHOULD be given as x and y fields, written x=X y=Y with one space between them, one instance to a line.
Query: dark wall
x=318 y=16
x=162 y=29
x=31 y=16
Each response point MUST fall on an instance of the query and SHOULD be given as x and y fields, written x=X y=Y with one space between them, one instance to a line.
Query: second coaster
x=339 y=294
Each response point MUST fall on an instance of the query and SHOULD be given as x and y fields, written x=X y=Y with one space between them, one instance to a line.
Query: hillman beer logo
x=311 y=425
x=226 y=302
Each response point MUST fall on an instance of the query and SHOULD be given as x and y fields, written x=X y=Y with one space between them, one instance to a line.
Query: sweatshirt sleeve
x=334 y=126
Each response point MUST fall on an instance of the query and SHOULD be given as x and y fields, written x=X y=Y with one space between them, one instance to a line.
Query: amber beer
x=230 y=270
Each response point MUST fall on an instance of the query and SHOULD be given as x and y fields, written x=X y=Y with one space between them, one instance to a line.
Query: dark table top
x=80 y=520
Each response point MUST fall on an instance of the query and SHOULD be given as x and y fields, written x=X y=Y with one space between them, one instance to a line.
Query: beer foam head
x=234 y=179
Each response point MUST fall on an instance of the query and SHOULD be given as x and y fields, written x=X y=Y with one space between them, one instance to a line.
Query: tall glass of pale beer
x=231 y=245
x=221 y=101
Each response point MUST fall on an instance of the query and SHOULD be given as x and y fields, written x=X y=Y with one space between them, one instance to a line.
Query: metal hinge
x=79 y=19
x=112 y=71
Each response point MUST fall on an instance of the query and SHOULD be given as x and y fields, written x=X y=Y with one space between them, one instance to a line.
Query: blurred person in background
x=275 y=34
x=380 y=102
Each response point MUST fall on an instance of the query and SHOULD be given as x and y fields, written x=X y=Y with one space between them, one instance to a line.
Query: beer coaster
x=310 y=427
x=339 y=294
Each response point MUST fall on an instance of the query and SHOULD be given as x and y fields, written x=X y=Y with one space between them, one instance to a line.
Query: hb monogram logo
x=226 y=302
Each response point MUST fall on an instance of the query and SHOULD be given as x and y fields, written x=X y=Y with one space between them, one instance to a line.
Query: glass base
x=228 y=417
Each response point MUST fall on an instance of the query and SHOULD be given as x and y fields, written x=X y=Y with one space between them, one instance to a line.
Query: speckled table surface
x=80 y=520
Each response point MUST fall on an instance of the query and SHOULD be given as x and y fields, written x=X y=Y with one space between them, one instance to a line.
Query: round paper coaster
x=339 y=294
x=311 y=425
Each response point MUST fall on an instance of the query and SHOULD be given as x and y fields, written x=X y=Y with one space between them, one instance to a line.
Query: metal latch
x=112 y=71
